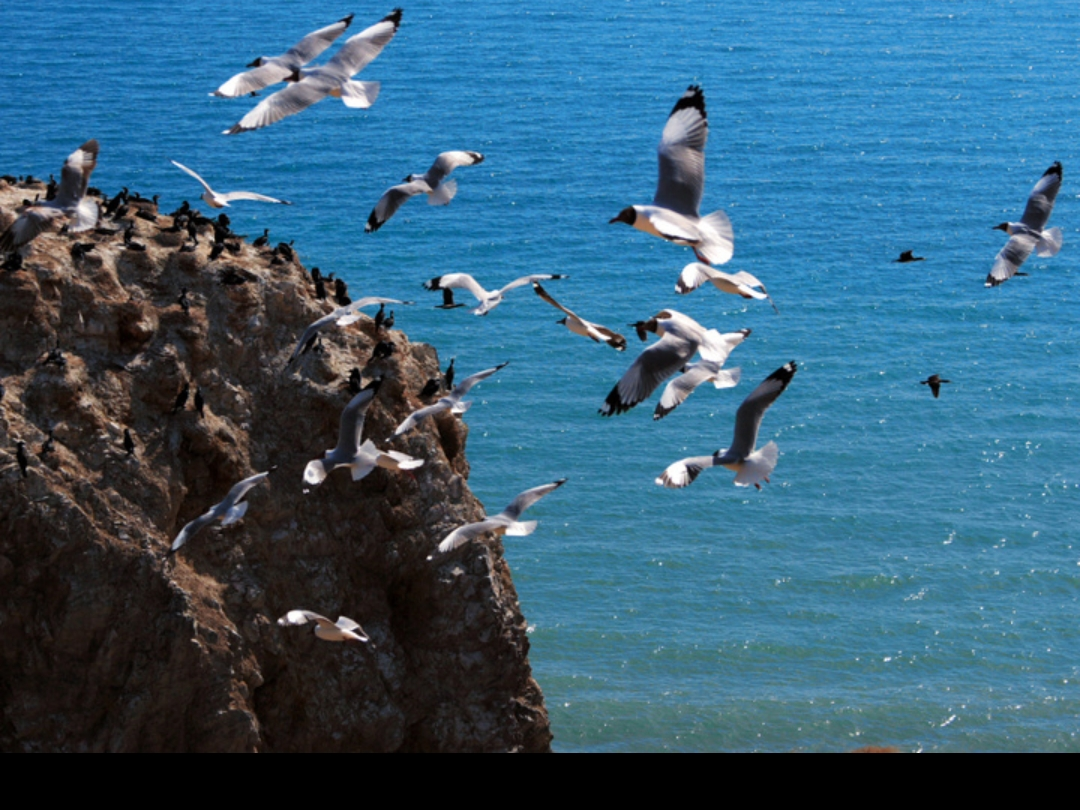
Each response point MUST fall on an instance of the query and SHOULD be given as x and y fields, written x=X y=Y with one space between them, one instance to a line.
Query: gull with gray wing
x=580 y=326
x=751 y=466
x=451 y=402
x=433 y=182
x=1030 y=233
x=344 y=629
x=342 y=316
x=228 y=511
x=742 y=283
x=216 y=200
x=488 y=299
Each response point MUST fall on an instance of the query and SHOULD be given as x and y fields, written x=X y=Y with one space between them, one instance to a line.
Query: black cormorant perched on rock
x=181 y=398
x=22 y=458
x=129 y=443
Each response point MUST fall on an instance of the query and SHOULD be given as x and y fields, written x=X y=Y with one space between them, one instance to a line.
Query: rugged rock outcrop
x=107 y=644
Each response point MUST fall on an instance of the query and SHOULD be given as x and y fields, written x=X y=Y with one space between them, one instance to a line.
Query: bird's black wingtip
x=694 y=98
x=1054 y=169
x=394 y=17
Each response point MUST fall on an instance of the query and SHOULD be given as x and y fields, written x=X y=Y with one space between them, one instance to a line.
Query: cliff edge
x=109 y=644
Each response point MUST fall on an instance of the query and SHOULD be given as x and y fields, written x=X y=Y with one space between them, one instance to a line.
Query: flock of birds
x=673 y=215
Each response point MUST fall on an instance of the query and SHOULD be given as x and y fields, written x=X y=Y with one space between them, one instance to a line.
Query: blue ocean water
x=911 y=576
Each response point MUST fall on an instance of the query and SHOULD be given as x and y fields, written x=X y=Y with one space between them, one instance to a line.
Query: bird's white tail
x=1049 y=243
x=717 y=245
x=359 y=95
x=521 y=528
x=401 y=461
x=87 y=212
x=443 y=193
x=758 y=466
x=360 y=469
x=315 y=472
x=235 y=513
x=727 y=378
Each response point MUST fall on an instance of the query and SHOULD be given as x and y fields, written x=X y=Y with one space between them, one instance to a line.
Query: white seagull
x=229 y=510
x=342 y=316
x=506 y=522
x=742 y=283
x=694 y=374
x=332 y=79
x=273 y=69
x=488 y=299
x=1030 y=233
x=70 y=203
x=440 y=191
x=215 y=200
x=451 y=402
x=751 y=466
x=360 y=458
x=674 y=213
x=680 y=337
x=580 y=326
x=344 y=629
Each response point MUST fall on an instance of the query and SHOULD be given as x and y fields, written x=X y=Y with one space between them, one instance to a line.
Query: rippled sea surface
x=911 y=576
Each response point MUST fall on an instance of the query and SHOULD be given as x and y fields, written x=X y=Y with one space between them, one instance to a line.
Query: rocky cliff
x=109 y=644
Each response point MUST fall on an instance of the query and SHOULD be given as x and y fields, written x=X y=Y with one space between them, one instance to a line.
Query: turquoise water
x=911 y=576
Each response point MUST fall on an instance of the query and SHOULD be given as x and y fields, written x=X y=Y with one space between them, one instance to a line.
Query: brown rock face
x=108 y=644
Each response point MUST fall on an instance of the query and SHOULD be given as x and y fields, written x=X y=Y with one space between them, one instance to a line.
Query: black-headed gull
x=361 y=459
x=506 y=522
x=229 y=510
x=216 y=200
x=751 y=466
x=332 y=79
x=703 y=371
x=270 y=70
x=1028 y=234
x=451 y=402
x=342 y=316
x=675 y=211
x=344 y=629
x=742 y=283
x=580 y=326
x=680 y=337
x=488 y=299
x=433 y=182
x=69 y=204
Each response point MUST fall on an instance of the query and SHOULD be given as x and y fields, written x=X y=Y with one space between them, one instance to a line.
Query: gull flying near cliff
x=349 y=452
x=70 y=203
x=332 y=79
x=742 y=283
x=344 y=629
x=451 y=402
x=342 y=316
x=229 y=510
x=488 y=300
x=751 y=466
x=680 y=337
x=580 y=326
x=674 y=213
x=703 y=371
x=433 y=182
x=506 y=522
x=216 y=200
x=1028 y=234
x=273 y=69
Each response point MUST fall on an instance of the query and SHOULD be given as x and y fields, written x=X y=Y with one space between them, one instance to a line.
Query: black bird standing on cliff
x=200 y=403
x=129 y=443
x=181 y=398
x=22 y=458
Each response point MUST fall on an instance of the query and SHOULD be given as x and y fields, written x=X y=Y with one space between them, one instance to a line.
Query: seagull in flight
x=703 y=371
x=273 y=69
x=229 y=510
x=742 y=283
x=344 y=629
x=360 y=458
x=506 y=522
x=488 y=299
x=580 y=326
x=216 y=200
x=674 y=213
x=751 y=466
x=1030 y=233
x=451 y=402
x=309 y=85
x=433 y=182
x=680 y=337
x=342 y=316
x=70 y=204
